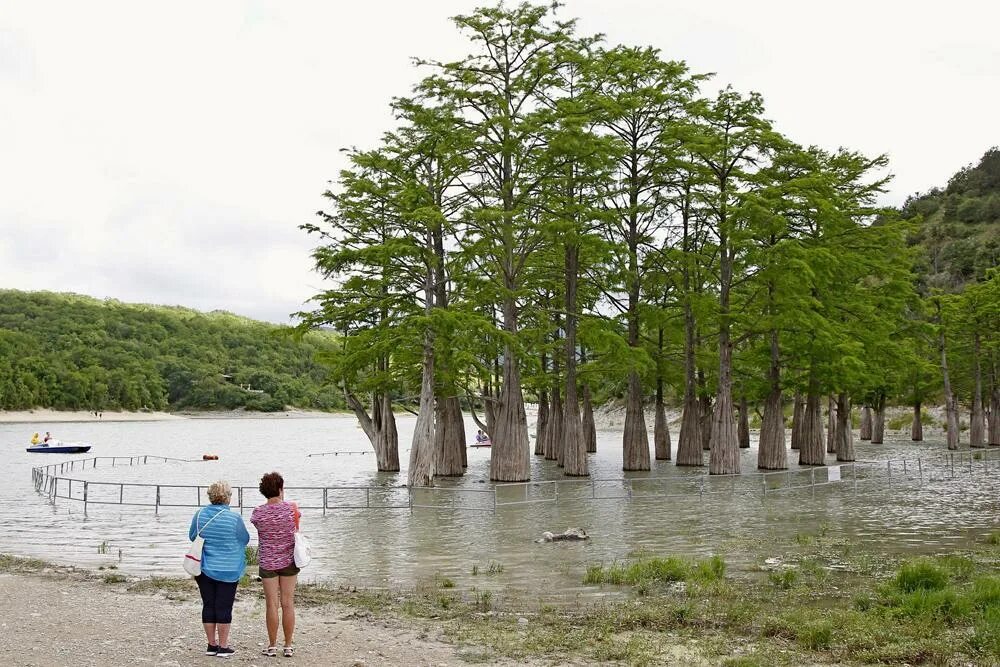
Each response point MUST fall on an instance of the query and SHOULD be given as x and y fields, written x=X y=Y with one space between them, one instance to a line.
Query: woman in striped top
x=223 y=560
x=276 y=522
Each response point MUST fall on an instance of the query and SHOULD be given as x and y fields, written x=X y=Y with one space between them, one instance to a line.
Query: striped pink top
x=275 y=523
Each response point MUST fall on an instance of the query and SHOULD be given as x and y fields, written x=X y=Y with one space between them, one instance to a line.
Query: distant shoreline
x=49 y=416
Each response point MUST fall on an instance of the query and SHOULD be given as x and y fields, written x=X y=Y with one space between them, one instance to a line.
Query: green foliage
x=959 y=227
x=71 y=352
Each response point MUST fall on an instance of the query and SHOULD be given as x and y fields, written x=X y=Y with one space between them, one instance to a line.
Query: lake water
x=379 y=547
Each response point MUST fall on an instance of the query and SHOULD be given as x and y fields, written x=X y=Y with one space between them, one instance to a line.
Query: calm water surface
x=397 y=548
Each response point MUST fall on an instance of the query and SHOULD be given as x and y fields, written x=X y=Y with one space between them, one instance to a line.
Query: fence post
x=157 y=506
x=85 y=498
x=239 y=495
x=904 y=468
x=494 y=501
x=121 y=494
x=325 y=490
x=368 y=497
x=763 y=484
x=888 y=467
x=854 y=469
x=812 y=481
x=951 y=455
x=409 y=498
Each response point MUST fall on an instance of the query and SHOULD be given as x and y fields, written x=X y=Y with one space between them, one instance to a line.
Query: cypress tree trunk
x=977 y=422
x=589 y=427
x=844 y=435
x=812 y=448
x=490 y=408
x=878 y=423
x=380 y=428
x=917 y=428
x=705 y=407
x=509 y=454
x=798 y=408
x=743 y=428
x=831 y=425
x=422 y=450
x=689 y=441
x=387 y=447
x=771 y=453
x=554 y=441
x=866 y=423
x=724 y=457
x=449 y=437
x=635 y=455
x=574 y=449
x=661 y=436
x=994 y=417
x=950 y=407
x=542 y=423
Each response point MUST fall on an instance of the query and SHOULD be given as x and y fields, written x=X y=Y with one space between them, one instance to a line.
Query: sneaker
x=212 y=650
x=224 y=652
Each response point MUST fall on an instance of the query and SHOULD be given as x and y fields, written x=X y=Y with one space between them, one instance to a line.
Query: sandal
x=271 y=651
x=289 y=651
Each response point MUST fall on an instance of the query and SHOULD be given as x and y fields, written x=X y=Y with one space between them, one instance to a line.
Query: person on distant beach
x=223 y=560
x=34 y=439
x=276 y=522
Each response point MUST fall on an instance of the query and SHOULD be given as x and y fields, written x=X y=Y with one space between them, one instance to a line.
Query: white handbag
x=192 y=559
x=303 y=550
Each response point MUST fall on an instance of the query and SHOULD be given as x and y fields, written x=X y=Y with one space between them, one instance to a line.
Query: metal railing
x=51 y=481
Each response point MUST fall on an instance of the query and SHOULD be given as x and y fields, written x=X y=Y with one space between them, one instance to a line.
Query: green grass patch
x=657 y=571
x=252 y=555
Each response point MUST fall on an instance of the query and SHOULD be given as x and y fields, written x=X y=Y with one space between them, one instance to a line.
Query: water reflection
x=393 y=547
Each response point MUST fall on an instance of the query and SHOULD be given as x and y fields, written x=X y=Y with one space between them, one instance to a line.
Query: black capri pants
x=217 y=599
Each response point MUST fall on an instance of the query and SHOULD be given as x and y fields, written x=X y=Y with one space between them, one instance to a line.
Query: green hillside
x=960 y=230
x=73 y=352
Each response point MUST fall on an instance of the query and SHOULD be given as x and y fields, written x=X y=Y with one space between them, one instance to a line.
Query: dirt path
x=54 y=620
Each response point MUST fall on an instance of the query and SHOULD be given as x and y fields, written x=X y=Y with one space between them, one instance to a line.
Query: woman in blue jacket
x=223 y=560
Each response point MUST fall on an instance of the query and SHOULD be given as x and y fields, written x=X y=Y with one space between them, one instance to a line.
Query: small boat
x=484 y=443
x=61 y=448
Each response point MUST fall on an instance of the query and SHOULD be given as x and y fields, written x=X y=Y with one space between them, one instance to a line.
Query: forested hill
x=72 y=352
x=960 y=230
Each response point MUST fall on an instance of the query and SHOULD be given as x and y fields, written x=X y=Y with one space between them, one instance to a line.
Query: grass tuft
x=920 y=575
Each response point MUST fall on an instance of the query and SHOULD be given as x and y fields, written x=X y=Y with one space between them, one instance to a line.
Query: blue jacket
x=224 y=555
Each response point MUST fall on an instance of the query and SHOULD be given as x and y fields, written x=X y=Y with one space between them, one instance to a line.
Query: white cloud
x=167 y=152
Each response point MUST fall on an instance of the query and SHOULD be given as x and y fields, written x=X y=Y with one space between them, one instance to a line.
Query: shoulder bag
x=303 y=550
x=192 y=559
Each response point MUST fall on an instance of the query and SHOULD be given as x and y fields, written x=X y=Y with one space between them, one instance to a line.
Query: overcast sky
x=166 y=152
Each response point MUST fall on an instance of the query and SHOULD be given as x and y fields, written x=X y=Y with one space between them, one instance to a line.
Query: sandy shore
x=58 y=618
x=42 y=416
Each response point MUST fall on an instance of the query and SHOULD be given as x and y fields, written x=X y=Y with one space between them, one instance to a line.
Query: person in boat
x=223 y=560
x=47 y=438
x=35 y=440
x=481 y=437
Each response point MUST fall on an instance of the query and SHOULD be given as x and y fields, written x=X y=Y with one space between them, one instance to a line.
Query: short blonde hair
x=219 y=493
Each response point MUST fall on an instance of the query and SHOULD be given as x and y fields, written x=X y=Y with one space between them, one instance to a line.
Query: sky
x=166 y=152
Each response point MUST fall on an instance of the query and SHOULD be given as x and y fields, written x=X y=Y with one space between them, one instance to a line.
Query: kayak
x=59 y=449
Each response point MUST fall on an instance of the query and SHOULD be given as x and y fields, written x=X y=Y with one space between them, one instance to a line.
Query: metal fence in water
x=53 y=482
